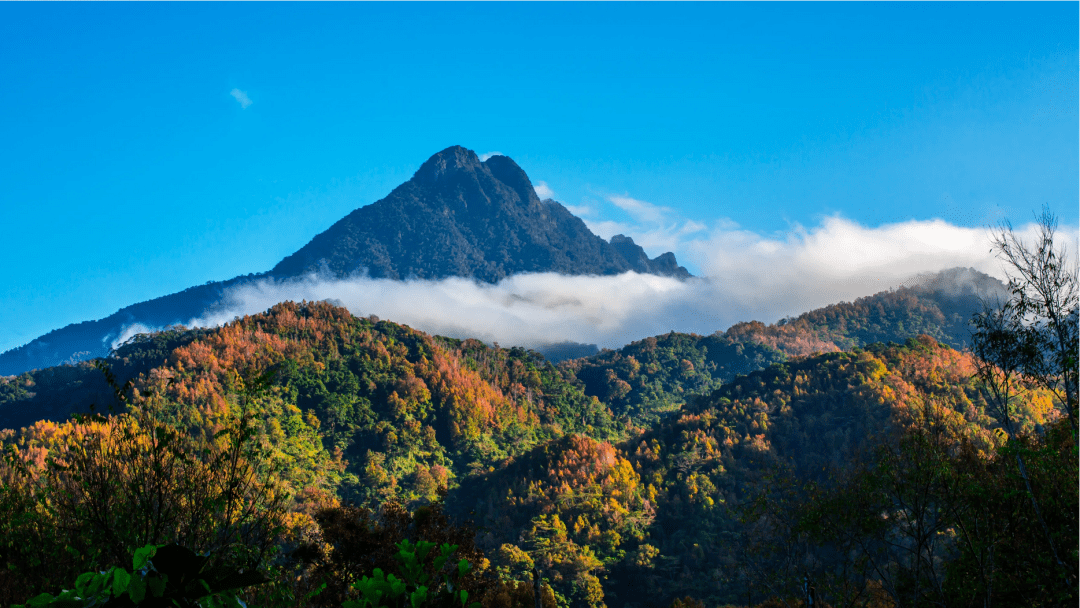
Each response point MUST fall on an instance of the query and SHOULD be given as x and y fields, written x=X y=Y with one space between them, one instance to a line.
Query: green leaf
x=418 y=597
x=317 y=591
x=120 y=581
x=142 y=556
x=156 y=585
x=40 y=600
x=100 y=583
x=136 y=589
x=82 y=584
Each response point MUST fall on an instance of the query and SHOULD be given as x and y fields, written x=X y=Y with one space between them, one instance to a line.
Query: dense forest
x=873 y=453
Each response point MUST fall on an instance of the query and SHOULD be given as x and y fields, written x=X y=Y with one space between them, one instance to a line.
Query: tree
x=1034 y=331
x=89 y=493
x=1030 y=338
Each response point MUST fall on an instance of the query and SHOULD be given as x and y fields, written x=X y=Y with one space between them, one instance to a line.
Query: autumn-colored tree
x=104 y=487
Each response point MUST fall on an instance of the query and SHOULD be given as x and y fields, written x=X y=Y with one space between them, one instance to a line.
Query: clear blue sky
x=128 y=170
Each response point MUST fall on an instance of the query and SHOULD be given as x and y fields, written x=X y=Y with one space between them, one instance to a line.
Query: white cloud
x=838 y=260
x=658 y=229
x=128 y=332
x=526 y=309
x=665 y=238
x=606 y=229
x=655 y=228
x=580 y=210
x=543 y=191
x=241 y=97
x=747 y=276
x=640 y=210
x=487 y=155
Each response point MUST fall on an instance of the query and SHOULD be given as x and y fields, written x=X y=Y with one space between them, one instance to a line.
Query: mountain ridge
x=486 y=219
x=457 y=216
x=640 y=382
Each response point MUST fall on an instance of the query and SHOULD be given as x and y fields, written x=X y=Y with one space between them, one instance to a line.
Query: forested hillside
x=718 y=468
x=406 y=412
x=638 y=382
x=660 y=514
x=647 y=378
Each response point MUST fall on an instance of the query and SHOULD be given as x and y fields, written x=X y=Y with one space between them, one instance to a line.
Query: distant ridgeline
x=457 y=216
x=639 y=382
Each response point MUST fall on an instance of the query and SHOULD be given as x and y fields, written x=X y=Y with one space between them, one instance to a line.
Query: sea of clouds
x=744 y=276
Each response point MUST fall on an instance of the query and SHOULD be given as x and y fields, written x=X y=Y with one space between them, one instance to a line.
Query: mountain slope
x=459 y=216
x=398 y=405
x=369 y=411
x=649 y=377
x=659 y=515
x=639 y=382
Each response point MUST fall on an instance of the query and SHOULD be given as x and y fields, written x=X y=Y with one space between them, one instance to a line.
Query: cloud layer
x=746 y=276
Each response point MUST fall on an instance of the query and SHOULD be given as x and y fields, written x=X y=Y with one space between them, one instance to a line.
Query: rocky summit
x=460 y=216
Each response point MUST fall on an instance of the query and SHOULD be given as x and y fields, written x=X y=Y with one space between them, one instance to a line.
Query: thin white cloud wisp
x=241 y=97
x=543 y=190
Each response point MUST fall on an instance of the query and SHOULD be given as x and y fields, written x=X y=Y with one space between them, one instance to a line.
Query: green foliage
x=807 y=420
x=376 y=410
x=649 y=378
x=416 y=587
x=353 y=543
x=569 y=507
x=939 y=305
x=160 y=576
x=934 y=522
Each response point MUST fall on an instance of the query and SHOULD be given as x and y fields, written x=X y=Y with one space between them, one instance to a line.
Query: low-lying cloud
x=128 y=332
x=746 y=276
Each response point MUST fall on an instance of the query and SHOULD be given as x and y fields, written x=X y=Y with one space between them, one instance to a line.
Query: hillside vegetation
x=309 y=445
x=660 y=514
x=648 y=378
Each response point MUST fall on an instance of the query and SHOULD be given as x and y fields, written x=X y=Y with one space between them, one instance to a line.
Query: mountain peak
x=447 y=163
x=459 y=216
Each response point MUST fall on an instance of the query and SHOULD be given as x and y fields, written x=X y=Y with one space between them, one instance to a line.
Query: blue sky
x=130 y=169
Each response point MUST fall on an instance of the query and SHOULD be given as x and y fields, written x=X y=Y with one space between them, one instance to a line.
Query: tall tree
x=1034 y=331
x=1030 y=338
